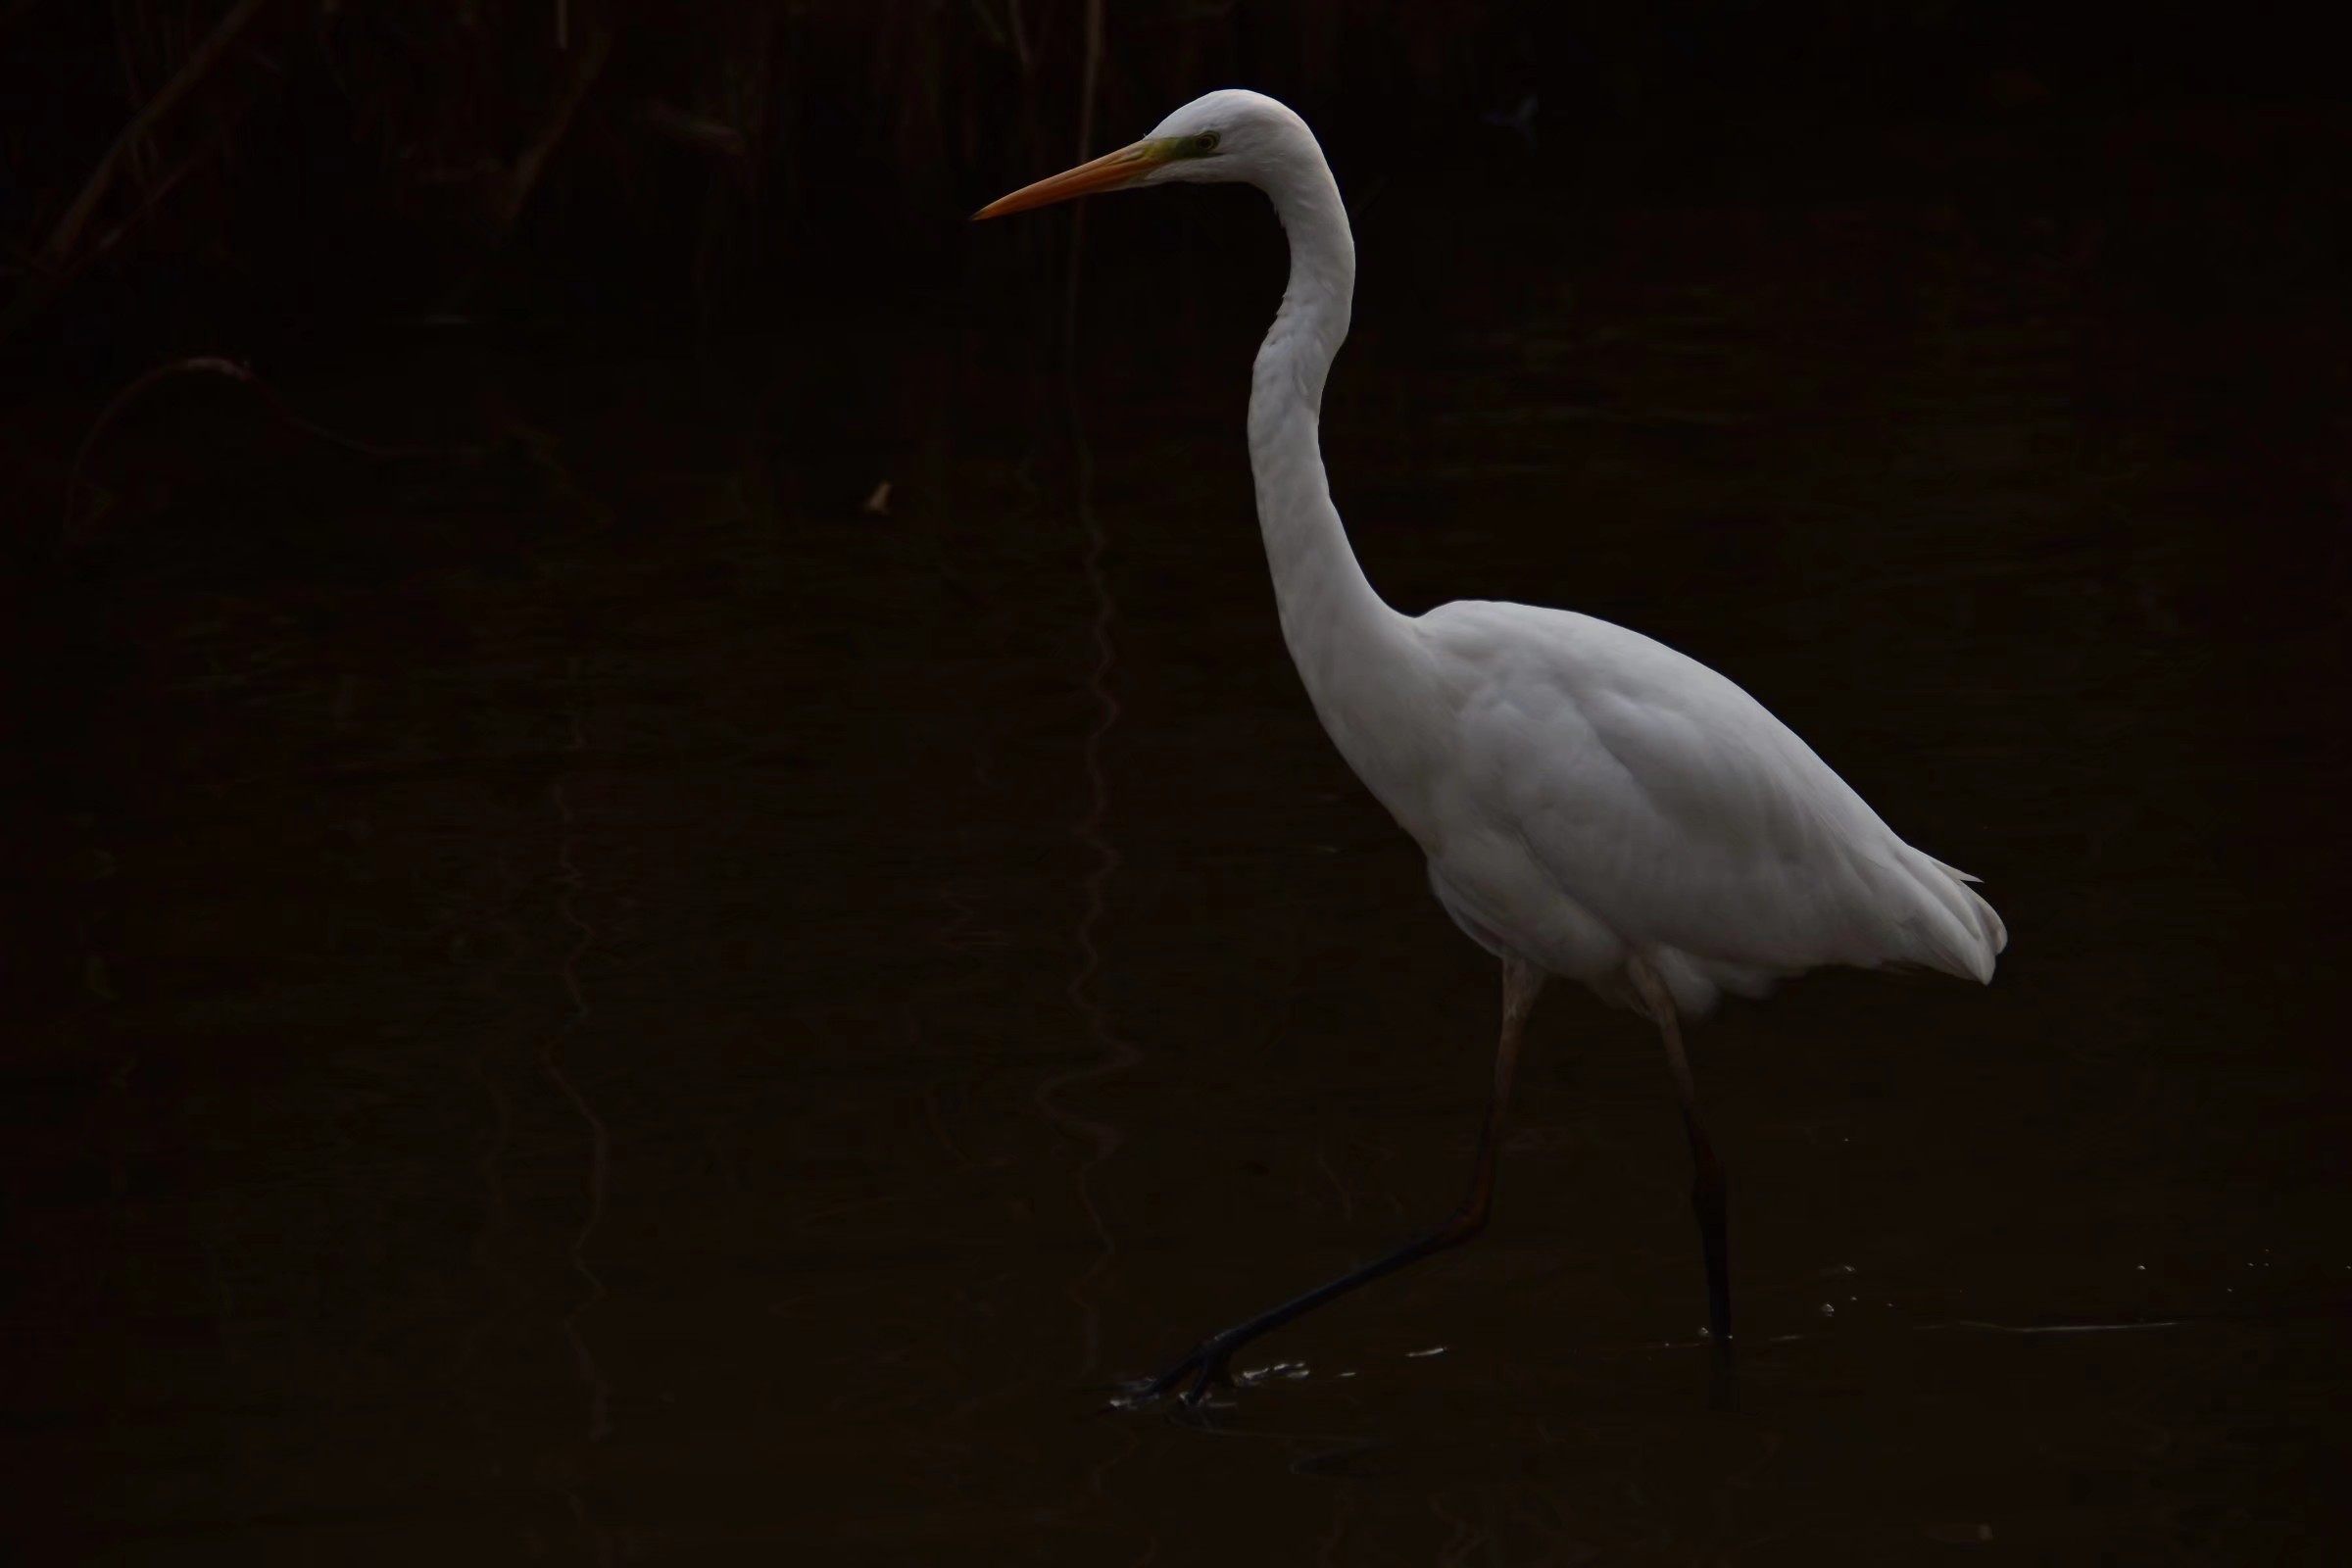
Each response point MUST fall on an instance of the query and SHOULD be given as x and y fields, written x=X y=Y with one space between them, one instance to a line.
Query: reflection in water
x=568 y=882
x=1092 y=829
x=491 y=1252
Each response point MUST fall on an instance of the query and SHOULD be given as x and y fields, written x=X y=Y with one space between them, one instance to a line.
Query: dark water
x=604 y=1004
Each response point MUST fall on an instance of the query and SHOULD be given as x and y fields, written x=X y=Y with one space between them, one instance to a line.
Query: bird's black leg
x=1706 y=1184
x=1204 y=1364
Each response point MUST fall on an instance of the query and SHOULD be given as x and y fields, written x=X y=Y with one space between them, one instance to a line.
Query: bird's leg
x=1206 y=1363
x=1706 y=1185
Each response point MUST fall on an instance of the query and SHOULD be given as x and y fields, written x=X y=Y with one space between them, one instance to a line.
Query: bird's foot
x=1205 y=1366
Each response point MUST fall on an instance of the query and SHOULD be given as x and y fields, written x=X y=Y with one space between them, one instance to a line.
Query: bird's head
x=1231 y=136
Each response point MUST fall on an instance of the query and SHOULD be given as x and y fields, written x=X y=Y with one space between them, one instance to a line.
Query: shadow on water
x=580 y=1009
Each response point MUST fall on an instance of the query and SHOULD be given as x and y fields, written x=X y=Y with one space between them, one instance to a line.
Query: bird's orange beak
x=1107 y=173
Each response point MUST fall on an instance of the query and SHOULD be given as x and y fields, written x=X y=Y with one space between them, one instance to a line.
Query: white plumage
x=1599 y=794
x=1594 y=805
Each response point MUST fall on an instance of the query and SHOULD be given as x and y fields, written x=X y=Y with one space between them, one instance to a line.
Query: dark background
x=586 y=985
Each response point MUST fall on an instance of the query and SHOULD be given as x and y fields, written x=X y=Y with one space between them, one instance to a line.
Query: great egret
x=1594 y=805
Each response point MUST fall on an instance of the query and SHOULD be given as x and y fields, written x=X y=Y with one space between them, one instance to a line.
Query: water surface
x=603 y=1003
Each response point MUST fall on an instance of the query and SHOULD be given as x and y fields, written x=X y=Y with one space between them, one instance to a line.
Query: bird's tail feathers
x=1954 y=929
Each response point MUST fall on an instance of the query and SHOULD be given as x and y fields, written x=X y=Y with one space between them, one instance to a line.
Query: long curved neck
x=1337 y=627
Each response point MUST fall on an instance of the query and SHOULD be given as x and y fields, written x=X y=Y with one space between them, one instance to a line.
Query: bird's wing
x=1677 y=811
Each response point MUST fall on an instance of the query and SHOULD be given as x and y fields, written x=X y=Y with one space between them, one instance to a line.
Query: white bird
x=1594 y=805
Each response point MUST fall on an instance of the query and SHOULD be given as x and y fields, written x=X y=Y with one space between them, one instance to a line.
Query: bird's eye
x=1205 y=142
